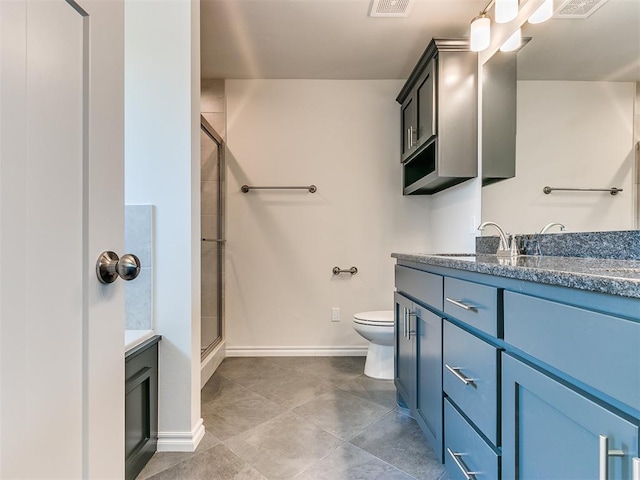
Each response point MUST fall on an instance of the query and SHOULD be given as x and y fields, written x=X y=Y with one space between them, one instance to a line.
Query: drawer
x=470 y=378
x=472 y=303
x=465 y=450
x=597 y=349
x=423 y=286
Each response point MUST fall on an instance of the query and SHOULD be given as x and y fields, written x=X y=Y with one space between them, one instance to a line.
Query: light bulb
x=506 y=10
x=513 y=42
x=543 y=13
x=480 y=33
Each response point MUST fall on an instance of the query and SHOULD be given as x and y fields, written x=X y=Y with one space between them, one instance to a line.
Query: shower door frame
x=221 y=239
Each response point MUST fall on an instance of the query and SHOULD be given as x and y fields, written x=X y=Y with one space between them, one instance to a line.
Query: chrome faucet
x=506 y=241
x=549 y=226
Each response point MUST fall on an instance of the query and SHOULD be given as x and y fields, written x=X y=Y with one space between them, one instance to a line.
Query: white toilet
x=377 y=327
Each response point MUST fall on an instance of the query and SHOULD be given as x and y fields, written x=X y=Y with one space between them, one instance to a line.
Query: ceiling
x=322 y=39
x=336 y=39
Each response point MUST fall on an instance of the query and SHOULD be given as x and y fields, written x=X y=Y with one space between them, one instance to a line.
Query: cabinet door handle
x=636 y=468
x=603 y=457
x=458 y=375
x=460 y=304
x=467 y=474
x=406 y=322
x=409 y=331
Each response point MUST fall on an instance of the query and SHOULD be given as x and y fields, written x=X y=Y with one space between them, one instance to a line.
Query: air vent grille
x=578 y=8
x=390 y=8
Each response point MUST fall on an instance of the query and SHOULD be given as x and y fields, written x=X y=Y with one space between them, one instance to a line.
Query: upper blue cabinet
x=439 y=118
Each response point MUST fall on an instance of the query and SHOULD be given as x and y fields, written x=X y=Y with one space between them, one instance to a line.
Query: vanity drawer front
x=465 y=450
x=470 y=378
x=472 y=303
x=597 y=349
x=423 y=286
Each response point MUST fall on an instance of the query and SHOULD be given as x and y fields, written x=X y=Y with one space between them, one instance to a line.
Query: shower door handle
x=109 y=266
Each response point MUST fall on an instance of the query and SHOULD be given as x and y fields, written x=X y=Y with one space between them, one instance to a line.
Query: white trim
x=211 y=363
x=344 y=351
x=181 y=441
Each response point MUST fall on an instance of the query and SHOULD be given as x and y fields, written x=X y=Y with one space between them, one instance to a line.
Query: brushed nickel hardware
x=612 y=190
x=409 y=331
x=603 y=457
x=459 y=376
x=109 y=266
x=338 y=271
x=549 y=226
x=504 y=248
x=460 y=304
x=456 y=458
x=218 y=240
x=246 y=188
x=636 y=465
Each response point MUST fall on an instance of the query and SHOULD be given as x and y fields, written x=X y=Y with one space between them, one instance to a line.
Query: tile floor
x=303 y=418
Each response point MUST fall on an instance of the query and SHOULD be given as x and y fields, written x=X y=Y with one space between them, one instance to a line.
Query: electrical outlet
x=473 y=228
x=335 y=314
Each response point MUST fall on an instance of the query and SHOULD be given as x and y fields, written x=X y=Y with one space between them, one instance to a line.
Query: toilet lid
x=380 y=317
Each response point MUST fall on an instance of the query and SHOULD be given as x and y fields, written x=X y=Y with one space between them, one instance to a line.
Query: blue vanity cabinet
x=418 y=344
x=405 y=352
x=551 y=431
x=141 y=405
x=418 y=371
x=429 y=375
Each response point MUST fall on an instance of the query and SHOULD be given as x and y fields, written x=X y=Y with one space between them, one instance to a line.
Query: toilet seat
x=381 y=318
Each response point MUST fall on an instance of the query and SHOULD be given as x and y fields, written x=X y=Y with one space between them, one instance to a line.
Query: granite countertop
x=612 y=276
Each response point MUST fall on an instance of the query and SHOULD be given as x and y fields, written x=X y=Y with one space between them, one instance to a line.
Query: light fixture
x=543 y=13
x=506 y=10
x=513 y=42
x=480 y=35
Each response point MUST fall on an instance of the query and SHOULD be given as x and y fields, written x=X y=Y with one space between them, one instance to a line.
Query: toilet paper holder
x=338 y=270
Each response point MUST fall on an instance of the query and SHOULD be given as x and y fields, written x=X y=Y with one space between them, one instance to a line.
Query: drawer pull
x=636 y=469
x=458 y=375
x=467 y=474
x=603 y=457
x=458 y=303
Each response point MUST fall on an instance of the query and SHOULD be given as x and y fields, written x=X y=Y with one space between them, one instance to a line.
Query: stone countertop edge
x=614 y=277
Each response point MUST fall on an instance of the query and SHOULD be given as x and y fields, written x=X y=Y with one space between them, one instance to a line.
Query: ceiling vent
x=390 y=8
x=578 y=8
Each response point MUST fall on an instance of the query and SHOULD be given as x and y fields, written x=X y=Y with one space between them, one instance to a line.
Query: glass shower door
x=212 y=225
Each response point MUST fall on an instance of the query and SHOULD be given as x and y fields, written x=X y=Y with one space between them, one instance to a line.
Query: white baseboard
x=181 y=441
x=344 y=351
x=210 y=364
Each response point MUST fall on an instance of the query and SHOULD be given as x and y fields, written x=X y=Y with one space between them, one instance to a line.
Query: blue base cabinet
x=511 y=379
x=552 y=432
x=405 y=354
x=418 y=366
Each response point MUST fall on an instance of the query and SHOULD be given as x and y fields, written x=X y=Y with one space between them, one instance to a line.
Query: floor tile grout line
x=384 y=461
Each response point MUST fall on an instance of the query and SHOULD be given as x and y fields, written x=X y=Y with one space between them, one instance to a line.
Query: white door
x=61 y=204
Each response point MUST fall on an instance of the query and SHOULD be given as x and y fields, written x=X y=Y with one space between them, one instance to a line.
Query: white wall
x=162 y=157
x=281 y=245
x=570 y=134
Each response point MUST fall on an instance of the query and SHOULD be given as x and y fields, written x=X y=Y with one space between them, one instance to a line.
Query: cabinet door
x=553 y=432
x=405 y=366
x=425 y=96
x=408 y=127
x=429 y=381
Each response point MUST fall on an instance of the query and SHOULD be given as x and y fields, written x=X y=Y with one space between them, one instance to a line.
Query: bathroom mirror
x=578 y=98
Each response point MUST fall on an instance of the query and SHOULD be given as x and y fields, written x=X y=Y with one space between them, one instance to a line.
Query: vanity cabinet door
x=429 y=385
x=408 y=127
x=425 y=97
x=405 y=365
x=552 y=432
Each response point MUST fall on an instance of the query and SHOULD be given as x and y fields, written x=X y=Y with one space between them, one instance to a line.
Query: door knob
x=109 y=266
